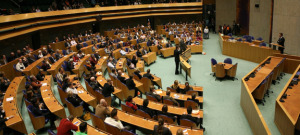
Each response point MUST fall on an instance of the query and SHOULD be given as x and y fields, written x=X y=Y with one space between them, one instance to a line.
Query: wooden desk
x=121 y=64
x=117 y=92
x=117 y=54
x=199 y=89
x=178 y=96
x=83 y=94
x=167 y=52
x=55 y=67
x=13 y=107
x=49 y=99
x=196 y=48
x=88 y=49
x=129 y=55
x=90 y=129
x=150 y=58
x=140 y=66
x=149 y=123
x=79 y=67
x=138 y=84
x=32 y=69
x=156 y=79
x=287 y=112
x=186 y=67
x=102 y=64
x=171 y=109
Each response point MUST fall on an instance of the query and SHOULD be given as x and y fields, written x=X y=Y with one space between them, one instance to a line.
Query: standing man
x=281 y=41
x=177 y=60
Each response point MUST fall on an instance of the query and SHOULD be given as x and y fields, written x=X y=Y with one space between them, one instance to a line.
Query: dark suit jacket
x=52 y=60
x=147 y=110
x=195 y=100
x=130 y=84
x=148 y=76
x=166 y=131
x=95 y=85
x=107 y=90
x=176 y=55
x=134 y=61
x=73 y=100
x=122 y=79
x=70 y=66
x=139 y=75
x=78 y=46
x=281 y=41
x=154 y=95
x=97 y=56
x=191 y=118
x=40 y=76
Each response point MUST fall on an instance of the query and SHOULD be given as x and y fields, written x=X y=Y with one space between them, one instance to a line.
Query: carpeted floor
x=222 y=112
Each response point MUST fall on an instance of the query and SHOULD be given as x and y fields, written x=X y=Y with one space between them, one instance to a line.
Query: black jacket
x=166 y=131
x=122 y=79
x=130 y=84
x=176 y=55
x=154 y=95
x=281 y=41
x=148 y=76
x=95 y=85
x=191 y=118
x=107 y=90
x=74 y=101
x=70 y=66
x=147 y=110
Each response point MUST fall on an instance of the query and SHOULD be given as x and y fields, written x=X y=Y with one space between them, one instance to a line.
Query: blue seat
x=262 y=44
x=213 y=61
x=92 y=42
x=64 y=66
x=231 y=38
x=98 y=40
x=229 y=34
x=35 y=56
x=98 y=46
x=259 y=39
x=228 y=61
x=84 y=39
x=127 y=49
x=39 y=67
x=64 y=52
x=84 y=44
x=240 y=40
x=50 y=132
x=36 y=120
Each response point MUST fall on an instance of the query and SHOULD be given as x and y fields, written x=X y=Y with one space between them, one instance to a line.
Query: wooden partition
x=291 y=62
x=286 y=113
x=245 y=50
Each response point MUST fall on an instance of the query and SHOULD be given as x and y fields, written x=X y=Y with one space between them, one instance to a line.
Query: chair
x=127 y=109
x=149 y=97
x=112 y=129
x=187 y=123
x=50 y=132
x=27 y=103
x=62 y=94
x=168 y=102
x=240 y=40
x=64 y=52
x=228 y=61
x=99 y=96
x=213 y=68
x=142 y=114
x=76 y=111
x=84 y=44
x=229 y=34
x=191 y=103
x=220 y=72
x=38 y=122
x=172 y=90
x=191 y=92
x=127 y=49
x=259 y=39
x=98 y=122
x=166 y=119
x=262 y=44
x=232 y=72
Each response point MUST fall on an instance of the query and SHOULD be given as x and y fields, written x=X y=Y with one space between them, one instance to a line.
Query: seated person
x=60 y=74
x=186 y=88
x=70 y=66
x=148 y=75
x=114 y=120
x=144 y=51
x=36 y=84
x=76 y=101
x=137 y=73
x=164 y=111
x=113 y=73
x=40 y=54
x=168 y=44
x=94 y=84
x=20 y=66
x=134 y=60
x=65 y=83
x=108 y=88
x=72 y=88
x=131 y=103
x=176 y=87
x=69 y=50
x=82 y=129
x=123 y=52
x=102 y=109
x=168 y=97
x=80 y=54
x=146 y=109
x=120 y=77
x=4 y=82
x=160 y=129
x=189 y=116
x=153 y=94
x=52 y=58
x=93 y=60
x=75 y=58
x=130 y=65
x=30 y=59
x=73 y=42
x=40 y=76
x=131 y=85
x=45 y=65
x=39 y=109
x=66 y=126
x=194 y=98
x=110 y=63
x=57 y=55
x=89 y=66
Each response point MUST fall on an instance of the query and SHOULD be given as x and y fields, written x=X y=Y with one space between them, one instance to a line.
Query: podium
x=184 y=65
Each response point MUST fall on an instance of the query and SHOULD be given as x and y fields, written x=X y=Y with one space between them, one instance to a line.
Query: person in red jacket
x=66 y=126
x=131 y=103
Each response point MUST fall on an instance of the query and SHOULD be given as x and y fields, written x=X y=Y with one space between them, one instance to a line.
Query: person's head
x=129 y=99
x=92 y=79
x=280 y=34
x=60 y=70
x=20 y=61
x=70 y=93
x=194 y=96
x=113 y=70
x=164 y=109
x=103 y=102
x=145 y=103
x=32 y=78
x=187 y=84
x=160 y=126
x=168 y=93
x=179 y=132
x=70 y=85
x=114 y=113
x=152 y=88
x=148 y=71
x=189 y=110
x=109 y=81
x=82 y=127
x=176 y=83
x=70 y=117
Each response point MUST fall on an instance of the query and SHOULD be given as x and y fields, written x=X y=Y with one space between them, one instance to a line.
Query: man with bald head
x=94 y=84
x=102 y=110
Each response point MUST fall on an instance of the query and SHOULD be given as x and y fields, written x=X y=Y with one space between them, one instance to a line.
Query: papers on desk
x=45 y=90
x=185 y=132
x=80 y=91
x=104 y=57
x=158 y=92
x=44 y=84
x=252 y=44
x=176 y=96
x=195 y=112
x=76 y=123
x=9 y=99
x=123 y=74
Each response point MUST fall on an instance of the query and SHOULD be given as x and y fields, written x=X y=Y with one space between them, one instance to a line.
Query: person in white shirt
x=73 y=42
x=206 y=33
x=110 y=63
x=171 y=32
x=123 y=52
x=40 y=54
x=71 y=88
x=114 y=120
x=20 y=66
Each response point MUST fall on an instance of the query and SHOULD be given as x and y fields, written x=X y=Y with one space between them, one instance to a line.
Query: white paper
x=158 y=92
x=44 y=84
x=9 y=99
x=195 y=111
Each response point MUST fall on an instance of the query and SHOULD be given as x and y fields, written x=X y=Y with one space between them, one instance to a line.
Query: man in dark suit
x=131 y=85
x=52 y=58
x=177 y=52
x=97 y=56
x=148 y=75
x=168 y=97
x=78 y=46
x=120 y=77
x=146 y=109
x=108 y=88
x=39 y=109
x=189 y=116
x=160 y=129
x=94 y=84
x=70 y=65
x=151 y=93
x=281 y=41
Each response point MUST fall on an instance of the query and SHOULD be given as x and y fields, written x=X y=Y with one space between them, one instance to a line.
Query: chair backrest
x=127 y=109
x=232 y=71
x=64 y=52
x=172 y=90
x=62 y=94
x=112 y=129
x=191 y=103
x=84 y=44
x=168 y=102
x=27 y=103
x=229 y=34
x=191 y=92
x=213 y=61
x=228 y=61
x=149 y=97
x=187 y=123
x=98 y=122
x=75 y=111
x=146 y=83
x=262 y=44
x=99 y=95
x=126 y=132
x=50 y=132
x=142 y=114
x=166 y=118
x=220 y=71
x=259 y=39
x=38 y=122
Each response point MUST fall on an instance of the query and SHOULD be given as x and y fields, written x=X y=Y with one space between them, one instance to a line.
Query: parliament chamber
x=107 y=67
